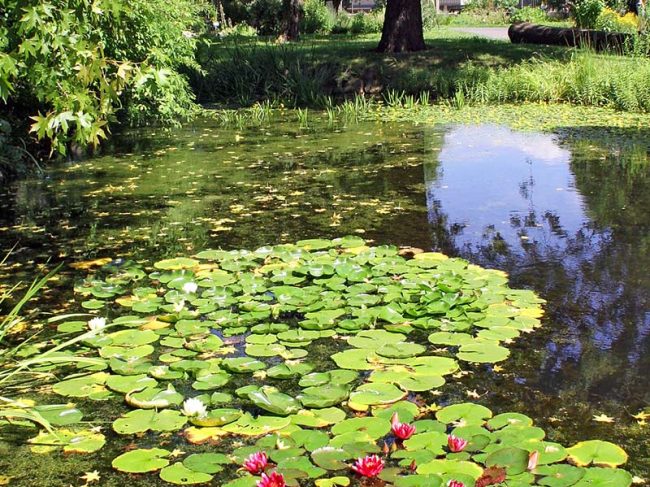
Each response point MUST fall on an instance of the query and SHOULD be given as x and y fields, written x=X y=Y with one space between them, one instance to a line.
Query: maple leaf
x=603 y=418
x=91 y=476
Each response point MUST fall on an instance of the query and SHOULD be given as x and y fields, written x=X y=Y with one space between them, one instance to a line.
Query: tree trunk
x=524 y=32
x=402 y=27
x=337 y=6
x=291 y=19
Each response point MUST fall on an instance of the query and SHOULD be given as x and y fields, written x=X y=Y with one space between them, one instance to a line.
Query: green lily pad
x=376 y=393
x=559 y=475
x=142 y=460
x=272 y=400
x=142 y=420
x=210 y=463
x=179 y=474
x=597 y=452
x=464 y=414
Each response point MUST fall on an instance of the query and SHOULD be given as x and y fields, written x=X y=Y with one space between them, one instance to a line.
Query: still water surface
x=565 y=216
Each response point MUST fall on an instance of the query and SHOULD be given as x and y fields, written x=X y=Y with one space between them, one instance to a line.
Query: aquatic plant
x=402 y=431
x=307 y=355
x=256 y=463
x=370 y=466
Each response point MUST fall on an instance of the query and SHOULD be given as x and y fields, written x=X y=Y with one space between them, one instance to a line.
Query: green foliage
x=528 y=14
x=317 y=18
x=586 y=12
x=265 y=15
x=610 y=21
x=367 y=23
x=71 y=64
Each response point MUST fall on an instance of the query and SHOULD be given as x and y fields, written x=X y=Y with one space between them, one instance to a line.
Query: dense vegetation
x=71 y=69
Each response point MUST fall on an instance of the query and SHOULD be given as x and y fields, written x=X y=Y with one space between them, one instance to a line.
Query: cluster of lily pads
x=317 y=358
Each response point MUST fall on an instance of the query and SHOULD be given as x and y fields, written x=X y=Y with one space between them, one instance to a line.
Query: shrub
x=317 y=18
x=342 y=24
x=239 y=30
x=82 y=63
x=610 y=21
x=528 y=14
x=586 y=12
x=370 y=23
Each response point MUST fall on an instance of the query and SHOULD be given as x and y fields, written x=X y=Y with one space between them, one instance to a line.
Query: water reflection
x=563 y=220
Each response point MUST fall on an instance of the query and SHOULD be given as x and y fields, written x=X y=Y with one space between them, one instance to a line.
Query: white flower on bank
x=97 y=324
x=194 y=407
x=190 y=287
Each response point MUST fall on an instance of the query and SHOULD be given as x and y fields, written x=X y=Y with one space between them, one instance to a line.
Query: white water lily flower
x=180 y=306
x=194 y=407
x=97 y=324
x=190 y=287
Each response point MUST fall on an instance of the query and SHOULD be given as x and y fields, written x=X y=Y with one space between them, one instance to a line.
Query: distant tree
x=402 y=27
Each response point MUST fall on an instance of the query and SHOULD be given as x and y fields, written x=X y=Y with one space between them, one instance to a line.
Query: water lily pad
x=210 y=463
x=514 y=460
x=559 y=475
x=324 y=396
x=247 y=425
x=605 y=477
x=464 y=414
x=453 y=467
x=330 y=458
x=142 y=420
x=272 y=400
x=289 y=370
x=597 y=452
x=60 y=414
x=128 y=383
x=483 y=352
x=176 y=264
x=242 y=365
x=142 y=460
x=400 y=350
x=373 y=427
x=374 y=394
x=318 y=418
x=179 y=474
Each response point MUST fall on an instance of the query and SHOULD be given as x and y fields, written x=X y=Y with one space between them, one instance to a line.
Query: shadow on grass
x=241 y=71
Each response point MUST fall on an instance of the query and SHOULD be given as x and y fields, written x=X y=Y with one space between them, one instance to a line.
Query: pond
x=565 y=215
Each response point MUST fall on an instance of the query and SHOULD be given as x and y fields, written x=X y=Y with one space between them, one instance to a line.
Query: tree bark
x=402 y=27
x=292 y=10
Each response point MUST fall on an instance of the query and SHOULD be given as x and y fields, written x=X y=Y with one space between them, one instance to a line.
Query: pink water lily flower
x=274 y=479
x=369 y=466
x=402 y=431
x=533 y=458
x=455 y=483
x=256 y=463
x=456 y=444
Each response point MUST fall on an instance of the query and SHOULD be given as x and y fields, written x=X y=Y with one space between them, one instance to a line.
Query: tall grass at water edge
x=300 y=76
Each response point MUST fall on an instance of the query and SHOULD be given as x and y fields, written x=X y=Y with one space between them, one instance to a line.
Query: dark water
x=566 y=215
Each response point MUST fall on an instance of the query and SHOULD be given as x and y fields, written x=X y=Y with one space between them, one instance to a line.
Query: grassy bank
x=456 y=68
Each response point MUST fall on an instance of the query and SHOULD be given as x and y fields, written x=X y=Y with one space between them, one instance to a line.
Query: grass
x=456 y=68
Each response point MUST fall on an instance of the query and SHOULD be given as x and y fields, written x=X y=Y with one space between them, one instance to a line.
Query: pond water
x=565 y=215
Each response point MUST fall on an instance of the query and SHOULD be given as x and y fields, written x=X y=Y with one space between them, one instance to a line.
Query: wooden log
x=524 y=32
